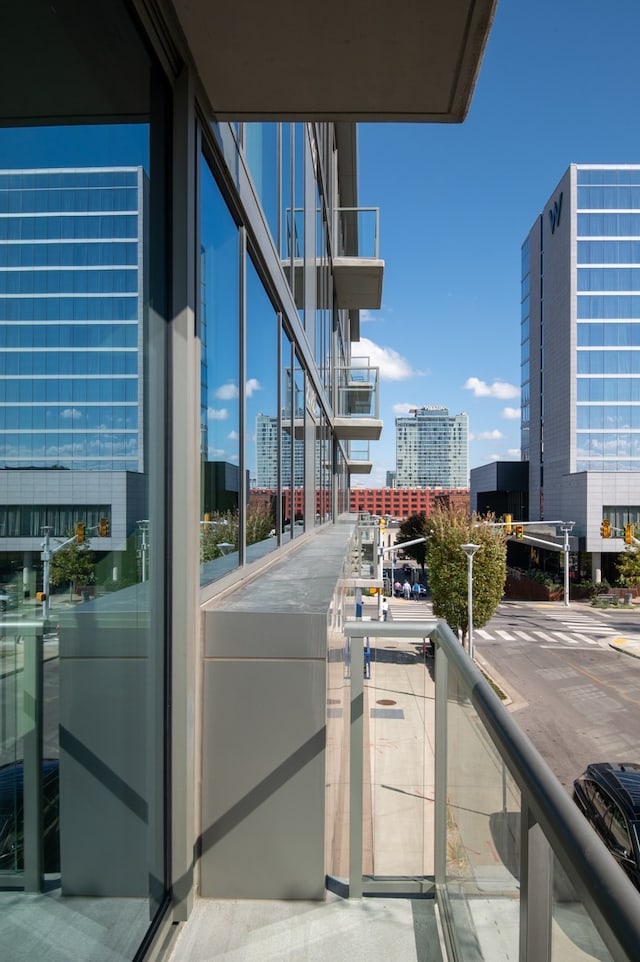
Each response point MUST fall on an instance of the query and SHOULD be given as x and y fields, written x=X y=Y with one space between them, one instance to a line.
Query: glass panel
x=261 y=150
x=219 y=382
x=90 y=564
x=483 y=837
x=398 y=759
x=299 y=407
x=261 y=393
x=573 y=934
x=286 y=436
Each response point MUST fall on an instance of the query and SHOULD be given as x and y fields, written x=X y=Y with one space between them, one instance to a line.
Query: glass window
x=262 y=450
x=286 y=436
x=219 y=324
x=261 y=151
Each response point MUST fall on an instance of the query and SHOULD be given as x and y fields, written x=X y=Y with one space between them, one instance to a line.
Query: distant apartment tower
x=267 y=434
x=391 y=479
x=432 y=449
x=580 y=335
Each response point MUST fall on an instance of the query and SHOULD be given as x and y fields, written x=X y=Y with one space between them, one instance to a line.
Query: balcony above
x=359 y=457
x=357 y=267
x=357 y=403
x=416 y=60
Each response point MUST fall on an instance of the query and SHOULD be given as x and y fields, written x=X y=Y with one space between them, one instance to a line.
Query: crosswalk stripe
x=544 y=635
x=505 y=635
x=589 y=641
x=563 y=637
x=523 y=635
x=483 y=634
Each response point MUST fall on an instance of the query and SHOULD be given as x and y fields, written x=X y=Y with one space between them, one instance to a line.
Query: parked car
x=12 y=816
x=608 y=794
x=8 y=597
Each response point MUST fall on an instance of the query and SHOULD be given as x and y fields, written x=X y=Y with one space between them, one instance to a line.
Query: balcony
x=357 y=267
x=357 y=402
x=359 y=457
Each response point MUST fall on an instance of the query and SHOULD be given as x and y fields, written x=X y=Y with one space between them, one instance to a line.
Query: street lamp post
x=470 y=550
x=566 y=528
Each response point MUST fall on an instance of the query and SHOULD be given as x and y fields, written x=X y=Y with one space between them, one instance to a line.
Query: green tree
x=74 y=565
x=629 y=564
x=449 y=566
x=415 y=526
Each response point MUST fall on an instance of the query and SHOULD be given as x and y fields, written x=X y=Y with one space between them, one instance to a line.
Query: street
x=575 y=697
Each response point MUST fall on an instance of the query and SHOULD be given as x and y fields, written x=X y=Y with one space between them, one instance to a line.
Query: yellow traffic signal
x=508 y=527
x=519 y=532
x=605 y=528
x=628 y=534
x=80 y=526
x=103 y=527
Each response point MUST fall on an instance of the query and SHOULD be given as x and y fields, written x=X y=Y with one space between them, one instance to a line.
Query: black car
x=609 y=796
x=12 y=816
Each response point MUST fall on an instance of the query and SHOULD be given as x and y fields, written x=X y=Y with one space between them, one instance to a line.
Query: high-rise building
x=72 y=296
x=581 y=357
x=432 y=449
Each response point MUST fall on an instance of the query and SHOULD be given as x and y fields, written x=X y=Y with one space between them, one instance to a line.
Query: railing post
x=536 y=896
x=32 y=761
x=356 y=646
x=440 y=770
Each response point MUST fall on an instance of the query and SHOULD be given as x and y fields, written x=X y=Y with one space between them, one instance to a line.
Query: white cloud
x=494 y=435
x=499 y=389
x=393 y=366
x=404 y=408
x=227 y=392
x=514 y=453
x=72 y=413
x=511 y=414
x=253 y=385
x=217 y=414
x=233 y=436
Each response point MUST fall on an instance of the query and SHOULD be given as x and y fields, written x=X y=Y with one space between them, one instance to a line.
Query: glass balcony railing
x=519 y=874
x=358 y=232
x=357 y=390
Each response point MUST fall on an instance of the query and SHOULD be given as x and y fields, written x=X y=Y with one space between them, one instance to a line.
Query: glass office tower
x=580 y=326
x=71 y=325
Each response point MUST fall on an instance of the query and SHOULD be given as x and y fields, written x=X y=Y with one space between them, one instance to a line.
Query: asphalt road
x=577 y=699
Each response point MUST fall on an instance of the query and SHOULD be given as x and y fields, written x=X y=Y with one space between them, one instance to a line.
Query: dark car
x=12 y=816
x=609 y=796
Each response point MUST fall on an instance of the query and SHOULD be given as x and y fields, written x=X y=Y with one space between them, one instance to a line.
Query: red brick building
x=401 y=502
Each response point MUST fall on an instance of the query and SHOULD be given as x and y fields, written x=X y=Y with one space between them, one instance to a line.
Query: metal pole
x=470 y=550
x=470 y=602
x=46 y=561
x=566 y=529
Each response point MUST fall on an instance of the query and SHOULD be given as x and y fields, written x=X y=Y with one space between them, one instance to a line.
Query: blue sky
x=559 y=84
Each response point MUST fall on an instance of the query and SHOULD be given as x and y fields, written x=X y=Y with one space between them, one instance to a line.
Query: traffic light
x=103 y=527
x=508 y=527
x=519 y=532
x=628 y=534
x=605 y=528
x=383 y=525
x=80 y=526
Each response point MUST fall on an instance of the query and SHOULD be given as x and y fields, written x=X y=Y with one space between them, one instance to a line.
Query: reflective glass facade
x=71 y=295
x=607 y=319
